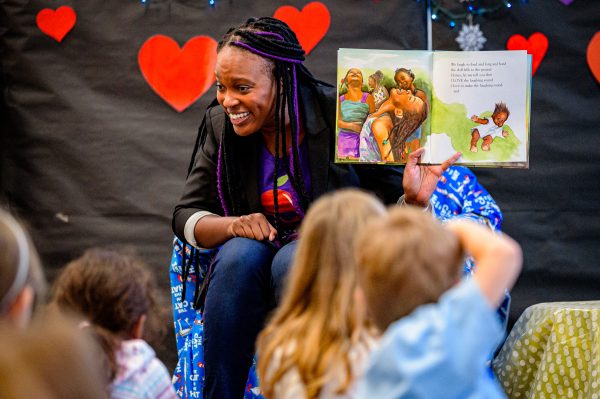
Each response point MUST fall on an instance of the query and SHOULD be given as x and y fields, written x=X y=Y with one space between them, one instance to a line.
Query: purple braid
x=277 y=35
x=263 y=54
x=297 y=121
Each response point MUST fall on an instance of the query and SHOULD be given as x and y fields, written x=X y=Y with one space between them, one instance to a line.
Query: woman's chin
x=244 y=129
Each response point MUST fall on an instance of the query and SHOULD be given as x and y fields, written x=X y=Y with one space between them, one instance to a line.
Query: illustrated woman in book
x=384 y=137
x=490 y=131
x=379 y=93
x=355 y=105
x=405 y=80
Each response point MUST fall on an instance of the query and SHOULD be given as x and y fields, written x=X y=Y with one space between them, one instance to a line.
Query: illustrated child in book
x=355 y=105
x=405 y=80
x=490 y=131
x=379 y=92
x=114 y=294
x=439 y=329
x=384 y=135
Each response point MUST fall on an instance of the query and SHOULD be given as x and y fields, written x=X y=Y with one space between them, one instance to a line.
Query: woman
x=384 y=136
x=355 y=105
x=263 y=155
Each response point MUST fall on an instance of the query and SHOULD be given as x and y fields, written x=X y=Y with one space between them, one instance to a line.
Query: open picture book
x=391 y=103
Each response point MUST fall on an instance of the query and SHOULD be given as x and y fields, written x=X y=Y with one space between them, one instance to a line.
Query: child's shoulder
x=139 y=370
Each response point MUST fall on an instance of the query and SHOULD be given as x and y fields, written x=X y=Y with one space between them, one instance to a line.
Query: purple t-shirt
x=289 y=208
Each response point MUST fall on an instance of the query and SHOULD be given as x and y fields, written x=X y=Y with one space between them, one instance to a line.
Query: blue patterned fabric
x=188 y=378
x=459 y=195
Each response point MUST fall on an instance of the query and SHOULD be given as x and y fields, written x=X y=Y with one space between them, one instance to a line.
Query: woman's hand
x=419 y=181
x=254 y=226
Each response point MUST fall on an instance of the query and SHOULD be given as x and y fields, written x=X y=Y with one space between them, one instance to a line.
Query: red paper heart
x=593 y=55
x=536 y=45
x=56 y=24
x=310 y=25
x=179 y=76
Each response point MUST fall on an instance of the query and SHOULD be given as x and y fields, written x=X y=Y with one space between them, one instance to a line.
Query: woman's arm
x=213 y=230
x=197 y=217
x=381 y=131
x=371 y=103
x=386 y=106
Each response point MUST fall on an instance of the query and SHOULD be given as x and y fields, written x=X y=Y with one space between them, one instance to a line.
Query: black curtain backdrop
x=90 y=155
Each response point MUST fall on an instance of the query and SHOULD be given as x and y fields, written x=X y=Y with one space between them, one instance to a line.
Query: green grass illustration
x=452 y=119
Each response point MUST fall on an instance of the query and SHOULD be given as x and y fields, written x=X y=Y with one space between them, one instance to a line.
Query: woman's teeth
x=238 y=116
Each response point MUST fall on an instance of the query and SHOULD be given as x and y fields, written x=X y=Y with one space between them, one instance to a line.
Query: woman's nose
x=229 y=100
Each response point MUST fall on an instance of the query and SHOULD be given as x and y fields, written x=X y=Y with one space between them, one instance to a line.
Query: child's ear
x=19 y=312
x=137 y=331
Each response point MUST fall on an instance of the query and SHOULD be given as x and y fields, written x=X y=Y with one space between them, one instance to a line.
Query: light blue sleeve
x=438 y=351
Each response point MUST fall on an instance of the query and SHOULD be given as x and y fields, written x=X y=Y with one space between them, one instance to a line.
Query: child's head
x=501 y=114
x=52 y=359
x=320 y=312
x=21 y=277
x=405 y=260
x=375 y=79
x=404 y=78
x=114 y=292
x=353 y=76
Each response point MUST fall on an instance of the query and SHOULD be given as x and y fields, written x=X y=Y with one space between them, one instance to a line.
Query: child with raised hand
x=438 y=334
x=21 y=278
x=114 y=293
x=318 y=341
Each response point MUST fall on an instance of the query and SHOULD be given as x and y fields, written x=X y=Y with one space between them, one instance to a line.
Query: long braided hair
x=402 y=129
x=274 y=40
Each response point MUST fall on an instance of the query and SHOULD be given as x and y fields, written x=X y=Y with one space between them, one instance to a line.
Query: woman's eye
x=219 y=86
x=243 y=89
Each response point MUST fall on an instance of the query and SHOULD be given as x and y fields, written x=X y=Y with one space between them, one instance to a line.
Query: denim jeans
x=247 y=281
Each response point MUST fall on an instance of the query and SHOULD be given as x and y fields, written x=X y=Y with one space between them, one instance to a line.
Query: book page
x=384 y=99
x=480 y=107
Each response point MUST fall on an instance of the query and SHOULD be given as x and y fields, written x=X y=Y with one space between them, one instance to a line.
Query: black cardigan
x=318 y=111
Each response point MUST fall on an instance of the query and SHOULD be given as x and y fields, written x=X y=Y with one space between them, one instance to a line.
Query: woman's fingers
x=254 y=226
x=448 y=162
x=413 y=157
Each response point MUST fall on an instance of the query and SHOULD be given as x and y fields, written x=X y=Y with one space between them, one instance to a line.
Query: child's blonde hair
x=320 y=319
x=111 y=289
x=405 y=260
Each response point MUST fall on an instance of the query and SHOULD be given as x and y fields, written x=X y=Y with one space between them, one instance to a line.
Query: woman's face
x=403 y=80
x=245 y=90
x=354 y=75
x=404 y=100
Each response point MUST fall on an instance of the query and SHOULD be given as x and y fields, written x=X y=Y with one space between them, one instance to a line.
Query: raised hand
x=419 y=181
